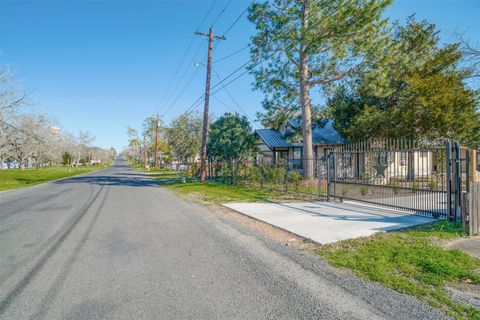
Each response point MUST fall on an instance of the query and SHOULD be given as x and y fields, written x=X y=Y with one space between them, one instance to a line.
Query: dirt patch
x=469 y=245
x=465 y=293
x=274 y=233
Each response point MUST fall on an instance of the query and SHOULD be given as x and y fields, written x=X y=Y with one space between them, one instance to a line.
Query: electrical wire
x=232 y=54
x=183 y=60
x=238 y=18
x=233 y=99
x=221 y=12
x=257 y=57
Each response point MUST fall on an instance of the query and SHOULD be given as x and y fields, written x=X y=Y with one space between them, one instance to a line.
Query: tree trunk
x=305 y=101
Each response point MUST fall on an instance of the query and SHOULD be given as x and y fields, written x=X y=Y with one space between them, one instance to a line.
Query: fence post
x=329 y=174
x=474 y=174
x=458 y=182
x=449 y=161
x=471 y=219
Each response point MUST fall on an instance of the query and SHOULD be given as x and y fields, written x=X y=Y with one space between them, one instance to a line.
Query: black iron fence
x=423 y=177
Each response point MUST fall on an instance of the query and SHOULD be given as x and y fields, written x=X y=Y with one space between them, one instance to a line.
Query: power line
x=176 y=72
x=236 y=20
x=234 y=79
x=183 y=59
x=233 y=99
x=222 y=102
x=232 y=54
x=256 y=58
x=206 y=15
x=270 y=46
x=184 y=74
x=192 y=76
x=221 y=12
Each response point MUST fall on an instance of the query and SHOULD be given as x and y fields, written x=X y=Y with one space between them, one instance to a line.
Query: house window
x=382 y=158
x=297 y=162
x=297 y=153
x=283 y=155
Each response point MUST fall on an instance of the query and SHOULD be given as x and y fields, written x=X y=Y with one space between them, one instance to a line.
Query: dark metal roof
x=327 y=134
x=272 y=138
x=320 y=135
x=294 y=123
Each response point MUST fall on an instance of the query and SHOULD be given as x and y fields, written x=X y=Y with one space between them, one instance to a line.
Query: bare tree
x=12 y=98
x=84 y=140
x=471 y=55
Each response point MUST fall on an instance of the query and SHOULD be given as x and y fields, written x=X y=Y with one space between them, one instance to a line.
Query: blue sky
x=103 y=65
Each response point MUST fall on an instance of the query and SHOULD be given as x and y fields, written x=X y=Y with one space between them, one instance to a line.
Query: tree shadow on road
x=131 y=181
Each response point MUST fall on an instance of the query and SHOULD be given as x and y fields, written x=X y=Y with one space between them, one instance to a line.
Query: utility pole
x=156 y=142
x=144 y=152
x=203 y=160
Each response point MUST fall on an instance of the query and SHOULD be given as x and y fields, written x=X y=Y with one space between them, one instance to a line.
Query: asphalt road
x=115 y=245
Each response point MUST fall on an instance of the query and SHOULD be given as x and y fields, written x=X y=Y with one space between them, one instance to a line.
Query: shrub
x=294 y=178
x=432 y=184
x=415 y=185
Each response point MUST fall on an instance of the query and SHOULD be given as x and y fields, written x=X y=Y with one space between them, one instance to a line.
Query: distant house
x=284 y=146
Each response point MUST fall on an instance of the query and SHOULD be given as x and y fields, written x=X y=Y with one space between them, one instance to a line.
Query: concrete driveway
x=326 y=222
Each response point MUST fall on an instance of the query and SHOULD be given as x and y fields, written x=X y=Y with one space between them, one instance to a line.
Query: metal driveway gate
x=422 y=177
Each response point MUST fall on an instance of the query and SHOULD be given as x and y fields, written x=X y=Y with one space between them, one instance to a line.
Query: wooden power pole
x=144 y=152
x=156 y=143
x=203 y=160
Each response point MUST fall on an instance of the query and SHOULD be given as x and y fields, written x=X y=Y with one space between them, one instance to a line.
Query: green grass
x=141 y=168
x=167 y=175
x=16 y=178
x=215 y=192
x=411 y=262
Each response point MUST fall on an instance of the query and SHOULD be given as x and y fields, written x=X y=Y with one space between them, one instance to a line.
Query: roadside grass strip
x=215 y=192
x=152 y=170
x=16 y=178
x=412 y=262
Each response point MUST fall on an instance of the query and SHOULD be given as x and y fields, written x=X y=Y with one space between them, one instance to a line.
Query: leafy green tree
x=67 y=158
x=149 y=127
x=421 y=95
x=184 y=137
x=231 y=141
x=301 y=45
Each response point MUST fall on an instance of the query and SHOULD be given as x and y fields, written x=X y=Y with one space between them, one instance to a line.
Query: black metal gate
x=422 y=177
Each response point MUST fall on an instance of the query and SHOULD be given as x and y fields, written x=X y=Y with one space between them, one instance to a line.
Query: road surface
x=115 y=245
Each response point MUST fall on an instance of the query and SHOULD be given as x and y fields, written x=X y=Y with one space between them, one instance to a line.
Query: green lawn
x=215 y=192
x=16 y=178
x=166 y=175
x=141 y=168
x=411 y=262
